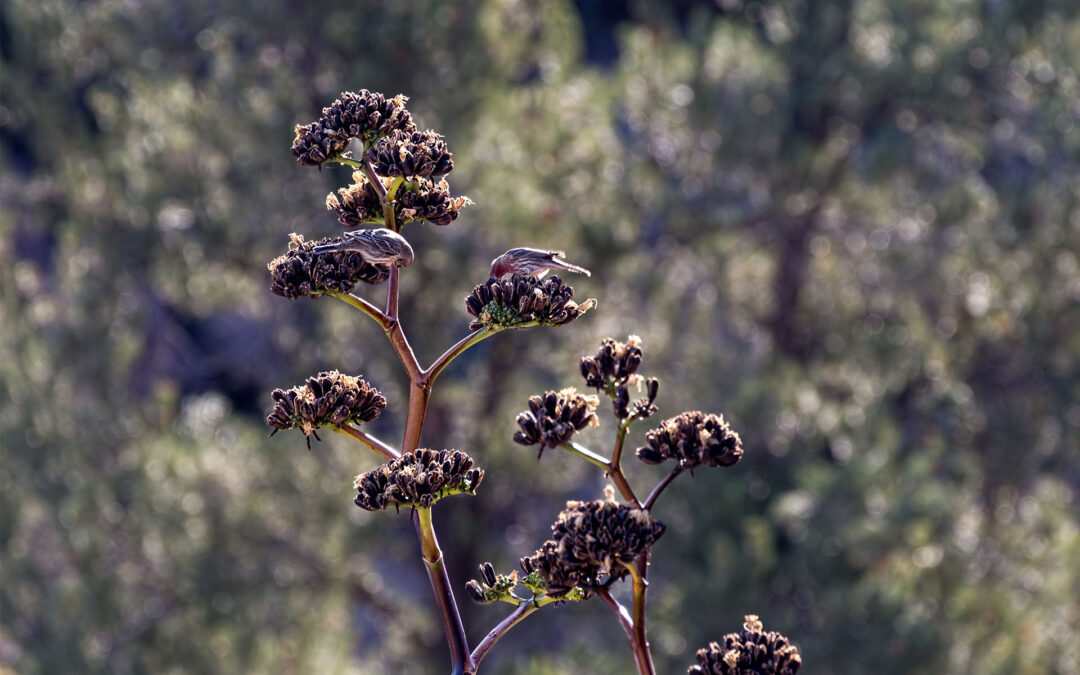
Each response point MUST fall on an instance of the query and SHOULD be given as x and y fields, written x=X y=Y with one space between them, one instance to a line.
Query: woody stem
x=616 y=472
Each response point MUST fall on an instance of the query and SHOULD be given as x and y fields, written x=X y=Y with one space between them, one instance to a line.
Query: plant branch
x=414 y=423
x=444 y=594
x=502 y=628
x=380 y=189
x=392 y=292
x=615 y=470
x=365 y=307
x=408 y=358
x=457 y=350
x=644 y=667
x=651 y=499
x=587 y=454
x=367 y=439
x=641 y=586
x=392 y=191
x=347 y=161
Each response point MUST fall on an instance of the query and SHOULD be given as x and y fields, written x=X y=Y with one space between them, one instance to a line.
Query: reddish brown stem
x=643 y=661
x=369 y=440
x=616 y=472
x=444 y=595
x=500 y=629
x=651 y=499
x=392 y=293
x=641 y=587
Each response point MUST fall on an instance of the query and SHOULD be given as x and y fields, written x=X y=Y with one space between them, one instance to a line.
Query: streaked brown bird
x=377 y=246
x=532 y=261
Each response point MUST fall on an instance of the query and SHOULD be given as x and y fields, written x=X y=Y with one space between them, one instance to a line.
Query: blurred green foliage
x=852 y=227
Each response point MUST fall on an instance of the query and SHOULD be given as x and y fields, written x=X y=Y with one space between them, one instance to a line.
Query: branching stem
x=644 y=662
x=615 y=471
x=444 y=595
x=463 y=344
x=502 y=628
x=651 y=499
x=367 y=439
x=365 y=307
x=638 y=572
x=586 y=454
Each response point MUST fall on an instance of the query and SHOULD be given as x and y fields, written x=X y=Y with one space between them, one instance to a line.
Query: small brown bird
x=377 y=246
x=532 y=261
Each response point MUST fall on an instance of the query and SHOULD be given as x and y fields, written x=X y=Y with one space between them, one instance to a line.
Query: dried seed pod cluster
x=516 y=299
x=431 y=201
x=411 y=154
x=642 y=407
x=358 y=203
x=552 y=418
x=423 y=199
x=302 y=272
x=417 y=479
x=613 y=369
x=750 y=651
x=693 y=438
x=591 y=541
x=365 y=115
x=329 y=398
x=613 y=363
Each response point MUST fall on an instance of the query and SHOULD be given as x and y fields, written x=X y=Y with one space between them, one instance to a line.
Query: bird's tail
x=572 y=268
x=326 y=248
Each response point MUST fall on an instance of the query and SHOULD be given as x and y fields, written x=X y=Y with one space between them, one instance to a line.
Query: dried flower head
x=693 y=438
x=411 y=154
x=750 y=651
x=552 y=418
x=592 y=543
x=303 y=272
x=314 y=143
x=358 y=203
x=422 y=199
x=643 y=407
x=517 y=299
x=428 y=200
x=613 y=364
x=366 y=115
x=417 y=479
x=327 y=399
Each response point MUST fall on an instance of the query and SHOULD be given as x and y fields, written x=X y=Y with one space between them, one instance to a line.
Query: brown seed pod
x=327 y=399
x=302 y=272
x=366 y=115
x=613 y=364
x=411 y=154
x=417 y=479
x=553 y=417
x=751 y=650
x=591 y=544
x=693 y=439
x=517 y=299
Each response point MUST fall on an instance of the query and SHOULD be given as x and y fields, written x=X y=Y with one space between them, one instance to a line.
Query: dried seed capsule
x=590 y=543
x=516 y=299
x=417 y=479
x=487 y=571
x=365 y=115
x=693 y=439
x=475 y=591
x=327 y=399
x=302 y=272
x=552 y=419
x=751 y=650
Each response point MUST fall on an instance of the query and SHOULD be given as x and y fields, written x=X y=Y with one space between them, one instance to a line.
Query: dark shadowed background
x=850 y=226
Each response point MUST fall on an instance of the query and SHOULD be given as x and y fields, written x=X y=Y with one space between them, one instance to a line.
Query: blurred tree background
x=851 y=226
